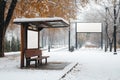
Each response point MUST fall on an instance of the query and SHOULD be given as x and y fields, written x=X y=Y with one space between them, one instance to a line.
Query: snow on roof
x=52 y=22
x=22 y=20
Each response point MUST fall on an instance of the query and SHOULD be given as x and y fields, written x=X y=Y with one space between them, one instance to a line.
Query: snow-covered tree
x=102 y=11
x=4 y=21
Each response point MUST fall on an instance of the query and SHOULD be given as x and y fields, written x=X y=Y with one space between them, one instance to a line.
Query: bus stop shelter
x=36 y=24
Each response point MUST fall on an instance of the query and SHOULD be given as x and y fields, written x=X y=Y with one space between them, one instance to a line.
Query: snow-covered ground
x=93 y=64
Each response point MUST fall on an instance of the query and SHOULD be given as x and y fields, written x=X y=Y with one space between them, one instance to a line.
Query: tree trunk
x=9 y=14
x=1 y=43
x=4 y=21
x=2 y=11
x=110 y=47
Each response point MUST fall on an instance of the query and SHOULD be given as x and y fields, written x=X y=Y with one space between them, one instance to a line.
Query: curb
x=68 y=71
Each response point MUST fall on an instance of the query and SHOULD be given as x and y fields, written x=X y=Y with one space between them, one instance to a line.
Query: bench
x=34 y=55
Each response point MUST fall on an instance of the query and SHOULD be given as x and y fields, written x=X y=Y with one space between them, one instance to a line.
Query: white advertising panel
x=32 y=39
x=89 y=27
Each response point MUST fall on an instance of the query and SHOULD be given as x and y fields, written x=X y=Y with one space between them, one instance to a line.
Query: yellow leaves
x=44 y=8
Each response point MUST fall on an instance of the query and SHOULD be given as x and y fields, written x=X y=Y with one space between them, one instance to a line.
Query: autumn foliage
x=46 y=8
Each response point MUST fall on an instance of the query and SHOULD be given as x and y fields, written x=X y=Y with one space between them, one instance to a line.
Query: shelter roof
x=34 y=23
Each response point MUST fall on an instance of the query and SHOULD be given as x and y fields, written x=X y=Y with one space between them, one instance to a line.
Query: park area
x=59 y=39
x=82 y=64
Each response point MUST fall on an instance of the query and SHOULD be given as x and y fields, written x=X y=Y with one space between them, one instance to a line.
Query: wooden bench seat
x=43 y=57
x=34 y=55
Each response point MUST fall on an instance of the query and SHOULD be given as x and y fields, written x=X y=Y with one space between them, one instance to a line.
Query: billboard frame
x=76 y=33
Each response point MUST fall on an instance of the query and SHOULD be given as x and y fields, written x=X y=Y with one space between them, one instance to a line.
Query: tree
x=7 y=46
x=104 y=10
x=17 y=44
x=5 y=20
x=14 y=44
x=112 y=23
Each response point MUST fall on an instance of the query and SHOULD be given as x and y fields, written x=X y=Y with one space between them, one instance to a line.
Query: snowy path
x=93 y=64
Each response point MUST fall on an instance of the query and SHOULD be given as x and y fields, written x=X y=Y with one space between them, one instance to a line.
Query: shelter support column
x=38 y=39
x=23 y=43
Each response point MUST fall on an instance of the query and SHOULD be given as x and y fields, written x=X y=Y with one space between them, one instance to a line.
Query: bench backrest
x=32 y=53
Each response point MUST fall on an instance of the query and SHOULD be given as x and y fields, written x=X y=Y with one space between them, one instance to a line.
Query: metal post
x=102 y=40
x=69 y=38
x=102 y=37
x=49 y=42
x=76 y=35
x=38 y=39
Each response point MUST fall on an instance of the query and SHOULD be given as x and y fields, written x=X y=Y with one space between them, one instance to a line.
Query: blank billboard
x=89 y=27
x=32 y=39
